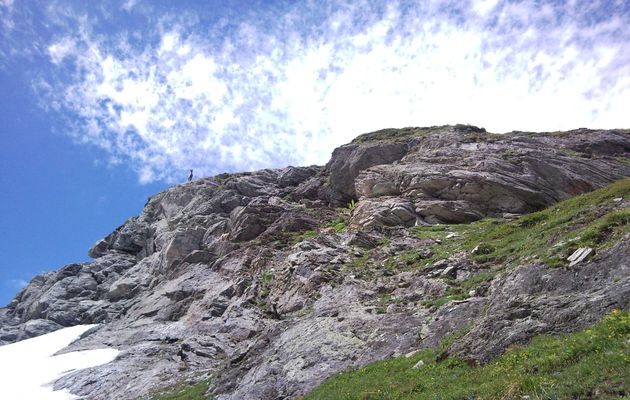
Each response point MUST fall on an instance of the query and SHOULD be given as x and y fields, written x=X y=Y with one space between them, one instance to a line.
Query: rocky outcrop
x=462 y=176
x=261 y=280
x=535 y=299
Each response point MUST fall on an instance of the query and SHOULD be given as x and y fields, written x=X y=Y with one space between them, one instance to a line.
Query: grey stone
x=246 y=223
x=412 y=353
x=580 y=255
x=363 y=240
x=347 y=161
x=389 y=211
x=450 y=272
x=418 y=365
x=293 y=176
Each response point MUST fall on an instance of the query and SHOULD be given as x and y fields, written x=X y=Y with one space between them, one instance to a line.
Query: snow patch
x=29 y=368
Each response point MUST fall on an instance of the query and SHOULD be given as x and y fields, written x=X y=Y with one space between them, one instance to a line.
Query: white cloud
x=129 y=5
x=267 y=94
x=61 y=49
x=483 y=7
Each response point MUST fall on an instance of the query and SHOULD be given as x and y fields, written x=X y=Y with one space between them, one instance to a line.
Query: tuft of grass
x=266 y=279
x=384 y=242
x=339 y=223
x=352 y=204
x=599 y=231
x=385 y=300
x=358 y=263
x=187 y=392
x=592 y=363
x=572 y=153
x=303 y=236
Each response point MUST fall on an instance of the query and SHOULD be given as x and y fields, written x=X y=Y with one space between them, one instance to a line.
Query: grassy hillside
x=593 y=363
x=598 y=220
x=593 y=219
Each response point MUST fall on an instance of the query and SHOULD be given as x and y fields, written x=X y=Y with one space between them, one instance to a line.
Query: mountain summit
x=262 y=285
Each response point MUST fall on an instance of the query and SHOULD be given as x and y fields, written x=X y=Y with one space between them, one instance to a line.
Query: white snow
x=28 y=368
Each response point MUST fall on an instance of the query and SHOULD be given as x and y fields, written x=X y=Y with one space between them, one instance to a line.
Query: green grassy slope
x=186 y=392
x=590 y=220
x=593 y=363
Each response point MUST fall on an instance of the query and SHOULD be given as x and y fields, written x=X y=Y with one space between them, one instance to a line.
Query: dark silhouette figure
x=190 y=176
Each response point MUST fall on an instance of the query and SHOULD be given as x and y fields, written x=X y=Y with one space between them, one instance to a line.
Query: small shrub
x=352 y=204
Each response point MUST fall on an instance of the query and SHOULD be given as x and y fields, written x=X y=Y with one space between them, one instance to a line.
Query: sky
x=28 y=368
x=106 y=103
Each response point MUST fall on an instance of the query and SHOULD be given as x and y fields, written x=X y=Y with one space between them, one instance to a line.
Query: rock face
x=258 y=280
x=535 y=299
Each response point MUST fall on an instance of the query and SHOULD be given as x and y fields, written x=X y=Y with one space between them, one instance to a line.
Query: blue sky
x=105 y=103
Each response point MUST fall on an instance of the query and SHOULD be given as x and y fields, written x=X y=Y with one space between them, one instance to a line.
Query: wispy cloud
x=17 y=284
x=285 y=86
x=129 y=5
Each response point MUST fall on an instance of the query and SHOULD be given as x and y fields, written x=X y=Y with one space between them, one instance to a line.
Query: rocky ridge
x=271 y=281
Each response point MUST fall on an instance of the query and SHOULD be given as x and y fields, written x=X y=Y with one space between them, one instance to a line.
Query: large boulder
x=386 y=211
x=246 y=223
x=347 y=161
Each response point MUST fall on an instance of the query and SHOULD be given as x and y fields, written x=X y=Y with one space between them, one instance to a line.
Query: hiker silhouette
x=190 y=176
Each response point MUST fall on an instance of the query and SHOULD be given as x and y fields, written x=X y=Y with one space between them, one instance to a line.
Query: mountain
x=263 y=284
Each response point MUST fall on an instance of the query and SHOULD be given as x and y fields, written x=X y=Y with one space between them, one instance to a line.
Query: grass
x=592 y=363
x=358 y=263
x=187 y=392
x=299 y=237
x=266 y=279
x=623 y=159
x=572 y=153
x=309 y=235
x=339 y=223
x=394 y=135
x=352 y=204
x=550 y=235
x=459 y=290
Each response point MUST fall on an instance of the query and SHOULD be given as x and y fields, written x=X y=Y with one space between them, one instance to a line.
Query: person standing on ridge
x=190 y=176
